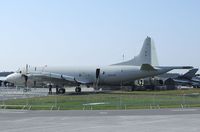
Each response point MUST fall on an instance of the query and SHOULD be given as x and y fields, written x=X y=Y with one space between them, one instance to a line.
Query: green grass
x=113 y=100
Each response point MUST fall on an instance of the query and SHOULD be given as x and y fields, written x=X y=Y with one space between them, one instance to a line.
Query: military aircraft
x=88 y=76
x=124 y=73
x=188 y=78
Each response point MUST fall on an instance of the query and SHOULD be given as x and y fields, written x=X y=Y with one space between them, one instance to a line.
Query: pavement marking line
x=180 y=110
x=13 y=112
x=103 y=113
x=98 y=103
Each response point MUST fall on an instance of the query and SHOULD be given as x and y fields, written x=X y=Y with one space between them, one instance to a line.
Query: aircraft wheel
x=61 y=91
x=78 y=89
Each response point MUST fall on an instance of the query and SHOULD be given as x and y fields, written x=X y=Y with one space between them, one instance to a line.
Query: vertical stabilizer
x=147 y=55
x=190 y=74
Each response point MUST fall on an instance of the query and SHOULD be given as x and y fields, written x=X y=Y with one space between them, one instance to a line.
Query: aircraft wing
x=56 y=78
x=181 y=81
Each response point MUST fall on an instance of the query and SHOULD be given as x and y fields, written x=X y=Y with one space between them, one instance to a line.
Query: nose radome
x=11 y=78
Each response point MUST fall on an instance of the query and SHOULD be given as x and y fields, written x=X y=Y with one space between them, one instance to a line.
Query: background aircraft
x=186 y=79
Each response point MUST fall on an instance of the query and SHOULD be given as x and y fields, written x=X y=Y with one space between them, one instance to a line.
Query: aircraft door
x=97 y=79
x=97 y=73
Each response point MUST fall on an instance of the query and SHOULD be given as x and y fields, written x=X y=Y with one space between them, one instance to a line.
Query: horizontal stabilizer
x=187 y=67
x=147 y=67
x=176 y=67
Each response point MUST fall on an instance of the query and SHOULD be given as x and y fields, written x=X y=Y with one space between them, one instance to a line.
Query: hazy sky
x=97 y=32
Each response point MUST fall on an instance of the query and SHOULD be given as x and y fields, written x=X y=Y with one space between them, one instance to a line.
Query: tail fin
x=190 y=74
x=147 y=55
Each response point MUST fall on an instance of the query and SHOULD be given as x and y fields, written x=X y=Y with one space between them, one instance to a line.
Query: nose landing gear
x=50 y=89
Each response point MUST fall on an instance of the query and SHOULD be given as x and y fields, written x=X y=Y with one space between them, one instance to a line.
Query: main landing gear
x=78 y=89
x=61 y=91
x=58 y=90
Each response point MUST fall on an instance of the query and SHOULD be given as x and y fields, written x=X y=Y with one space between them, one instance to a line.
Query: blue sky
x=97 y=32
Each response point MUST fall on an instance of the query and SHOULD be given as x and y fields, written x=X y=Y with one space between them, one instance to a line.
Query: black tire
x=78 y=90
x=61 y=91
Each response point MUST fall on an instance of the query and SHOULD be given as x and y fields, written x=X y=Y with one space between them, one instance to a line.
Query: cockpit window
x=19 y=71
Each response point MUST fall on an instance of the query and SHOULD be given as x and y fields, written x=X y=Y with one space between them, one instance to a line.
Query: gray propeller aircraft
x=124 y=73
x=88 y=76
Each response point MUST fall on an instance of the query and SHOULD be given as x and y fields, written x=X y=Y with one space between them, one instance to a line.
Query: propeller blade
x=25 y=76
x=26 y=68
x=25 y=79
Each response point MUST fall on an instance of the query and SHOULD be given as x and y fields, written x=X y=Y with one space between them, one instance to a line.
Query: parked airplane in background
x=188 y=78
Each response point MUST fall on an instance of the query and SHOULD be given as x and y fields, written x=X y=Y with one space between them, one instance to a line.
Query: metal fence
x=38 y=99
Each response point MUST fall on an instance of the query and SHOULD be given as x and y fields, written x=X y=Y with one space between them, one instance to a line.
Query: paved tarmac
x=163 y=120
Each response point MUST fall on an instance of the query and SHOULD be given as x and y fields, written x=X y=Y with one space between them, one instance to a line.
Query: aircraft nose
x=12 y=77
x=9 y=78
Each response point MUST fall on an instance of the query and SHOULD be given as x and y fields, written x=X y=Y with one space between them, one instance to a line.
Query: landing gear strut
x=50 y=89
x=78 y=89
x=57 y=90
